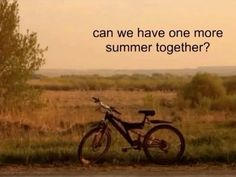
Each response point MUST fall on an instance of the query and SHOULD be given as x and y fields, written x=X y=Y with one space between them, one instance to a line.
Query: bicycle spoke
x=93 y=146
x=163 y=145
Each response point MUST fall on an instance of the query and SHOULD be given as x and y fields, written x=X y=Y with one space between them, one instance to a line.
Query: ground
x=119 y=171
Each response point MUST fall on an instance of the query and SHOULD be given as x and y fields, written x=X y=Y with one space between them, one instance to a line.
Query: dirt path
x=117 y=171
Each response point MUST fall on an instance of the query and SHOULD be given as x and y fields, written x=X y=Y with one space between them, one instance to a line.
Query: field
x=52 y=133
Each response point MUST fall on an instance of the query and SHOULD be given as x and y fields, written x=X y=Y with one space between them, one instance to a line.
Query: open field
x=51 y=134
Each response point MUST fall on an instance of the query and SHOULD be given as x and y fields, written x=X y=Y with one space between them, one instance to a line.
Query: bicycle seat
x=147 y=112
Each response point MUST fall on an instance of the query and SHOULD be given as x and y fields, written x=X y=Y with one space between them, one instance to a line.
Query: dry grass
x=52 y=134
x=70 y=107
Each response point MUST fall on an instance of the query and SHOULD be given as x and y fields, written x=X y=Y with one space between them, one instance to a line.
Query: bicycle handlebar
x=109 y=108
x=96 y=100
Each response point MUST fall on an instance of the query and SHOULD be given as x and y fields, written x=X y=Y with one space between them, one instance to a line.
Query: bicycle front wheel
x=164 y=144
x=93 y=146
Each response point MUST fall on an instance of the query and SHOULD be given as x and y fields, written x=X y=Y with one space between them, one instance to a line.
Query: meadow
x=51 y=133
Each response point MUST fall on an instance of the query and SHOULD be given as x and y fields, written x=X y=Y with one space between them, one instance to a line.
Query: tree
x=203 y=86
x=20 y=57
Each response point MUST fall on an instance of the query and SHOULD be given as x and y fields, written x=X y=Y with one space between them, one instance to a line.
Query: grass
x=213 y=143
x=154 y=82
x=116 y=82
x=51 y=135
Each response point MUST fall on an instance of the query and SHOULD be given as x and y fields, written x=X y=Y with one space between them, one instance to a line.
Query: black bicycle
x=162 y=144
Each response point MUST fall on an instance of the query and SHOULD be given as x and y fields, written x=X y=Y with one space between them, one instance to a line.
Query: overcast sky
x=66 y=27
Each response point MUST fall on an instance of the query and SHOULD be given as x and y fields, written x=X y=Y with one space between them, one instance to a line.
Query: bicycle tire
x=83 y=141
x=174 y=130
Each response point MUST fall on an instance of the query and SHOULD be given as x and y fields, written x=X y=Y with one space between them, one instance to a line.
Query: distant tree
x=203 y=86
x=230 y=84
x=20 y=57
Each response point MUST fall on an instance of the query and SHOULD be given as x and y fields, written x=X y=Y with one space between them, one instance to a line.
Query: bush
x=225 y=103
x=230 y=84
x=202 y=86
x=204 y=105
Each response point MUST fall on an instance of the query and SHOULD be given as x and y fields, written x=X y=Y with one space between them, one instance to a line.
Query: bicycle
x=162 y=144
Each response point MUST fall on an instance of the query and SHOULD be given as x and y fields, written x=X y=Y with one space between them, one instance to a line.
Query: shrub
x=230 y=85
x=202 y=86
x=225 y=103
x=204 y=105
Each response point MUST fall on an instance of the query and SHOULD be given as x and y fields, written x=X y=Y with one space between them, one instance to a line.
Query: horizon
x=210 y=66
x=219 y=70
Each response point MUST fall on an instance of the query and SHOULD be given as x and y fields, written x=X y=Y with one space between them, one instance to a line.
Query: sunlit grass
x=52 y=134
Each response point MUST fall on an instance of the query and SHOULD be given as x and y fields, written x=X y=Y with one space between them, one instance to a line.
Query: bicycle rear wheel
x=164 y=144
x=93 y=146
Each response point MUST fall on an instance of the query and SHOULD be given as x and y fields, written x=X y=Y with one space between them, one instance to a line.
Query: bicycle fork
x=99 y=136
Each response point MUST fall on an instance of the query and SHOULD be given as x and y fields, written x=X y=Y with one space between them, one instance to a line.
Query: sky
x=66 y=27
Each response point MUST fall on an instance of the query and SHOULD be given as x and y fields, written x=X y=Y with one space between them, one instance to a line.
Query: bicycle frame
x=145 y=139
x=124 y=127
